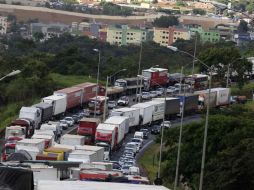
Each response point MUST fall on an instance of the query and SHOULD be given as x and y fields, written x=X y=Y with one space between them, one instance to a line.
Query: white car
x=125 y=169
x=167 y=124
x=146 y=96
x=133 y=146
x=183 y=87
x=138 y=142
x=112 y=104
x=69 y=120
x=123 y=101
x=171 y=90
x=153 y=94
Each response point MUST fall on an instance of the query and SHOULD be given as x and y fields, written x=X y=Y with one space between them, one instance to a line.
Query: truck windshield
x=9 y=150
x=120 y=84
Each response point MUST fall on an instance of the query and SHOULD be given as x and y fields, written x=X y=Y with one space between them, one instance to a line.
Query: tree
x=38 y=36
x=250 y=8
x=243 y=26
x=166 y=21
x=220 y=58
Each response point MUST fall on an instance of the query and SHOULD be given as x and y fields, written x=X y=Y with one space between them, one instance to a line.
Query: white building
x=3 y=25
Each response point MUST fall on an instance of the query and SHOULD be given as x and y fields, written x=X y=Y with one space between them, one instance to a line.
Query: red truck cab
x=87 y=127
x=9 y=147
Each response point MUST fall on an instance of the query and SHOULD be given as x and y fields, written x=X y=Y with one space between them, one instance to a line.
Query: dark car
x=156 y=129
x=145 y=132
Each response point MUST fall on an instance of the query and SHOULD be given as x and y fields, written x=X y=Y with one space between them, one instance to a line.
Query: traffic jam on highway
x=97 y=143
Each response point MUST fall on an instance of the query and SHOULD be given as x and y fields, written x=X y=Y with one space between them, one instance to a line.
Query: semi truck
x=87 y=127
x=129 y=84
x=158 y=110
x=31 y=113
x=121 y=122
x=97 y=102
x=82 y=156
x=190 y=103
x=58 y=102
x=131 y=113
x=46 y=111
x=146 y=113
x=89 y=91
x=203 y=97
x=223 y=96
x=172 y=106
x=98 y=150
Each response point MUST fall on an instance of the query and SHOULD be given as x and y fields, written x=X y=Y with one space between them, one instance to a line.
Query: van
x=139 y=135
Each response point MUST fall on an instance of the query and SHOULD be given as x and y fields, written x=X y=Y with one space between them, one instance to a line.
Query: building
x=3 y=25
x=49 y=30
x=167 y=36
x=212 y=35
x=226 y=31
x=124 y=35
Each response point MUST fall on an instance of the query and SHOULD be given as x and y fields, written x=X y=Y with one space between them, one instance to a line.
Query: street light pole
x=207 y=114
x=139 y=67
x=97 y=79
x=106 y=93
x=15 y=72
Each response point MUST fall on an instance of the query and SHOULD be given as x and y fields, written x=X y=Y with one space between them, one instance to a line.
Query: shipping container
x=82 y=156
x=158 y=109
x=107 y=133
x=146 y=113
x=73 y=95
x=59 y=103
x=190 y=102
x=203 y=98
x=121 y=122
x=223 y=96
x=35 y=143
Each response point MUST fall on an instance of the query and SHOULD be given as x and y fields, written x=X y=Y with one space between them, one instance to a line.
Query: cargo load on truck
x=172 y=106
x=72 y=140
x=131 y=113
x=46 y=111
x=223 y=96
x=87 y=127
x=203 y=97
x=158 y=109
x=190 y=102
x=98 y=150
x=89 y=91
x=121 y=122
x=82 y=156
x=106 y=166
x=60 y=153
x=146 y=113
x=48 y=139
x=59 y=103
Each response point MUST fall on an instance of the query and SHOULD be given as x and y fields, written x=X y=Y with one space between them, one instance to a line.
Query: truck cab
x=9 y=147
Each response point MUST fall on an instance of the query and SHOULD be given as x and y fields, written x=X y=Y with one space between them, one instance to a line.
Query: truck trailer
x=59 y=103
x=146 y=113
x=172 y=106
x=46 y=111
x=72 y=140
x=121 y=122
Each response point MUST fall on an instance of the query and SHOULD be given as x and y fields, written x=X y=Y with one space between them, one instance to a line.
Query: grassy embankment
x=10 y=111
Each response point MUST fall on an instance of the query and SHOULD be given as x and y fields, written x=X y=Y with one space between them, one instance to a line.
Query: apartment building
x=124 y=35
x=3 y=25
x=167 y=36
x=211 y=35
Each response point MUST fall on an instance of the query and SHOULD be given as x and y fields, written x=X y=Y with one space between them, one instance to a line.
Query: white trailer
x=158 y=109
x=82 y=156
x=53 y=126
x=98 y=150
x=31 y=113
x=59 y=103
x=106 y=166
x=146 y=112
x=48 y=139
x=32 y=151
x=132 y=113
x=72 y=140
x=70 y=147
x=83 y=185
x=15 y=131
x=35 y=143
x=223 y=96
x=121 y=122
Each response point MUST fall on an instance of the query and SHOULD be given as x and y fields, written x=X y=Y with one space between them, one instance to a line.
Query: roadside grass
x=70 y=80
x=149 y=161
x=245 y=91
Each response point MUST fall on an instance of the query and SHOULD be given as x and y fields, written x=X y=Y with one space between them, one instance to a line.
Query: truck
x=203 y=96
x=82 y=156
x=52 y=126
x=121 y=122
x=60 y=153
x=59 y=103
x=28 y=124
x=48 y=139
x=105 y=166
x=107 y=136
x=190 y=103
x=31 y=113
x=172 y=106
x=98 y=150
x=46 y=111
x=73 y=96
x=129 y=84
x=158 y=110
x=99 y=102
x=87 y=127
x=146 y=113
x=89 y=91
x=155 y=77
x=72 y=140
x=131 y=113
x=32 y=146
x=223 y=96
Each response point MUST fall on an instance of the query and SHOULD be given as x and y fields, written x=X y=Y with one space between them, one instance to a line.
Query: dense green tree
x=166 y=21
x=199 y=11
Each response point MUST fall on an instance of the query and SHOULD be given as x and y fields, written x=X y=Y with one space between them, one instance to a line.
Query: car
x=123 y=101
x=127 y=153
x=129 y=163
x=112 y=104
x=86 y=112
x=116 y=165
x=122 y=160
x=69 y=120
x=171 y=90
x=153 y=94
x=76 y=118
x=145 y=96
x=156 y=129
x=138 y=141
x=133 y=146
x=145 y=132
x=125 y=169
x=181 y=87
x=63 y=124
x=159 y=92
x=167 y=124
